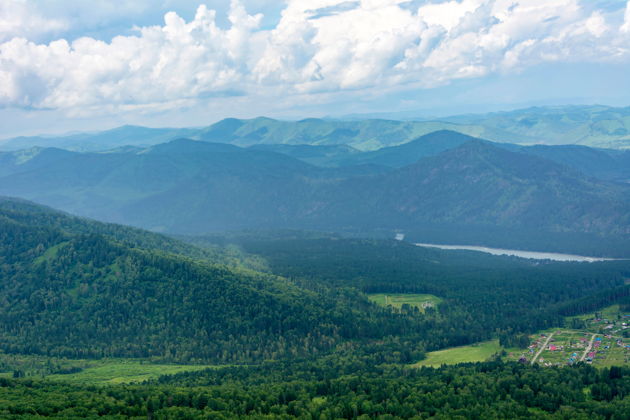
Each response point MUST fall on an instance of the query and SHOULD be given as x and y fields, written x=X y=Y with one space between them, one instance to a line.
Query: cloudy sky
x=75 y=65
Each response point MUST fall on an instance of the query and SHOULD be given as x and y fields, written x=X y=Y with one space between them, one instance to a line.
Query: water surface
x=523 y=254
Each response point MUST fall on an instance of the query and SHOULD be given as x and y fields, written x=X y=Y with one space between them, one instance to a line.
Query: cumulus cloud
x=318 y=46
x=22 y=18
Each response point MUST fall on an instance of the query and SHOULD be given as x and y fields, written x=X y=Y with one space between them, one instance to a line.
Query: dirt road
x=588 y=348
x=544 y=346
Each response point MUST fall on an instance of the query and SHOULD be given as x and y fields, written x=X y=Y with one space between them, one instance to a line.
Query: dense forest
x=329 y=390
x=289 y=315
x=484 y=295
x=66 y=293
x=76 y=288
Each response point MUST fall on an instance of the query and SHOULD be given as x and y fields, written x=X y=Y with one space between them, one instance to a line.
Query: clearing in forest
x=479 y=352
x=81 y=371
x=124 y=371
x=420 y=301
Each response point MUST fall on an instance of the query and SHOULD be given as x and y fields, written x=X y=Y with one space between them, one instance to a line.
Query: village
x=602 y=340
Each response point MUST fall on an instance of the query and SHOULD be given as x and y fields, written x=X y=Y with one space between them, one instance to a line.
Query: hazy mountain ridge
x=127 y=135
x=605 y=164
x=595 y=126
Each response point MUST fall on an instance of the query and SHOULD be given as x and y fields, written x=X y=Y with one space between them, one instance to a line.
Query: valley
x=270 y=268
x=102 y=319
x=315 y=210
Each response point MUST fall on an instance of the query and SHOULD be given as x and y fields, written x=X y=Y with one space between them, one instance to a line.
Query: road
x=544 y=346
x=588 y=348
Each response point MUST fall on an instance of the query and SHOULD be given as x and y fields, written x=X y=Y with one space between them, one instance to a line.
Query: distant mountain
x=103 y=185
x=480 y=184
x=405 y=154
x=605 y=164
x=315 y=155
x=127 y=135
x=362 y=135
x=476 y=191
x=595 y=126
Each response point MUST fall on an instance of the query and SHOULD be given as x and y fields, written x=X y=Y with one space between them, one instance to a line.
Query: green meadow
x=104 y=371
x=478 y=352
x=125 y=371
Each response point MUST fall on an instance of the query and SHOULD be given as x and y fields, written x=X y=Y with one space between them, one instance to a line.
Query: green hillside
x=75 y=288
x=107 y=321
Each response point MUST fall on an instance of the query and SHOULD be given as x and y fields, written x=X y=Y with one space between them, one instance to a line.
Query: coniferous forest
x=285 y=321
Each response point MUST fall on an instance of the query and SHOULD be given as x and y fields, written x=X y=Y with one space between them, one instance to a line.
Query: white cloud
x=626 y=26
x=21 y=18
x=318 y=46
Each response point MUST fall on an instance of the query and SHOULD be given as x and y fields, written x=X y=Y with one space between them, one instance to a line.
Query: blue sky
x=75 y=65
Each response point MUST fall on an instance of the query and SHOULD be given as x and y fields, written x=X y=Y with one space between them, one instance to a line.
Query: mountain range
x=594 y=126
x=444 y=186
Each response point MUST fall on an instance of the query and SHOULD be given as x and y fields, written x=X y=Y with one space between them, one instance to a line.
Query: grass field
x=397 y=301
x=474 y=353
x=102 y=371
x=123 y=371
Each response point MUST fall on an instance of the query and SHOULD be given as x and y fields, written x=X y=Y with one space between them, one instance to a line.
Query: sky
x=72 y=65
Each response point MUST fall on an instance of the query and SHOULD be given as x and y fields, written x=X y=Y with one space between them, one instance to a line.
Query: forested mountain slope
x=483 y=296
x=75 y=288
x=477 y=184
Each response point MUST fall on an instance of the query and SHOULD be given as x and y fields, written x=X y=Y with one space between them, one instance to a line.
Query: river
x=517 y=253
